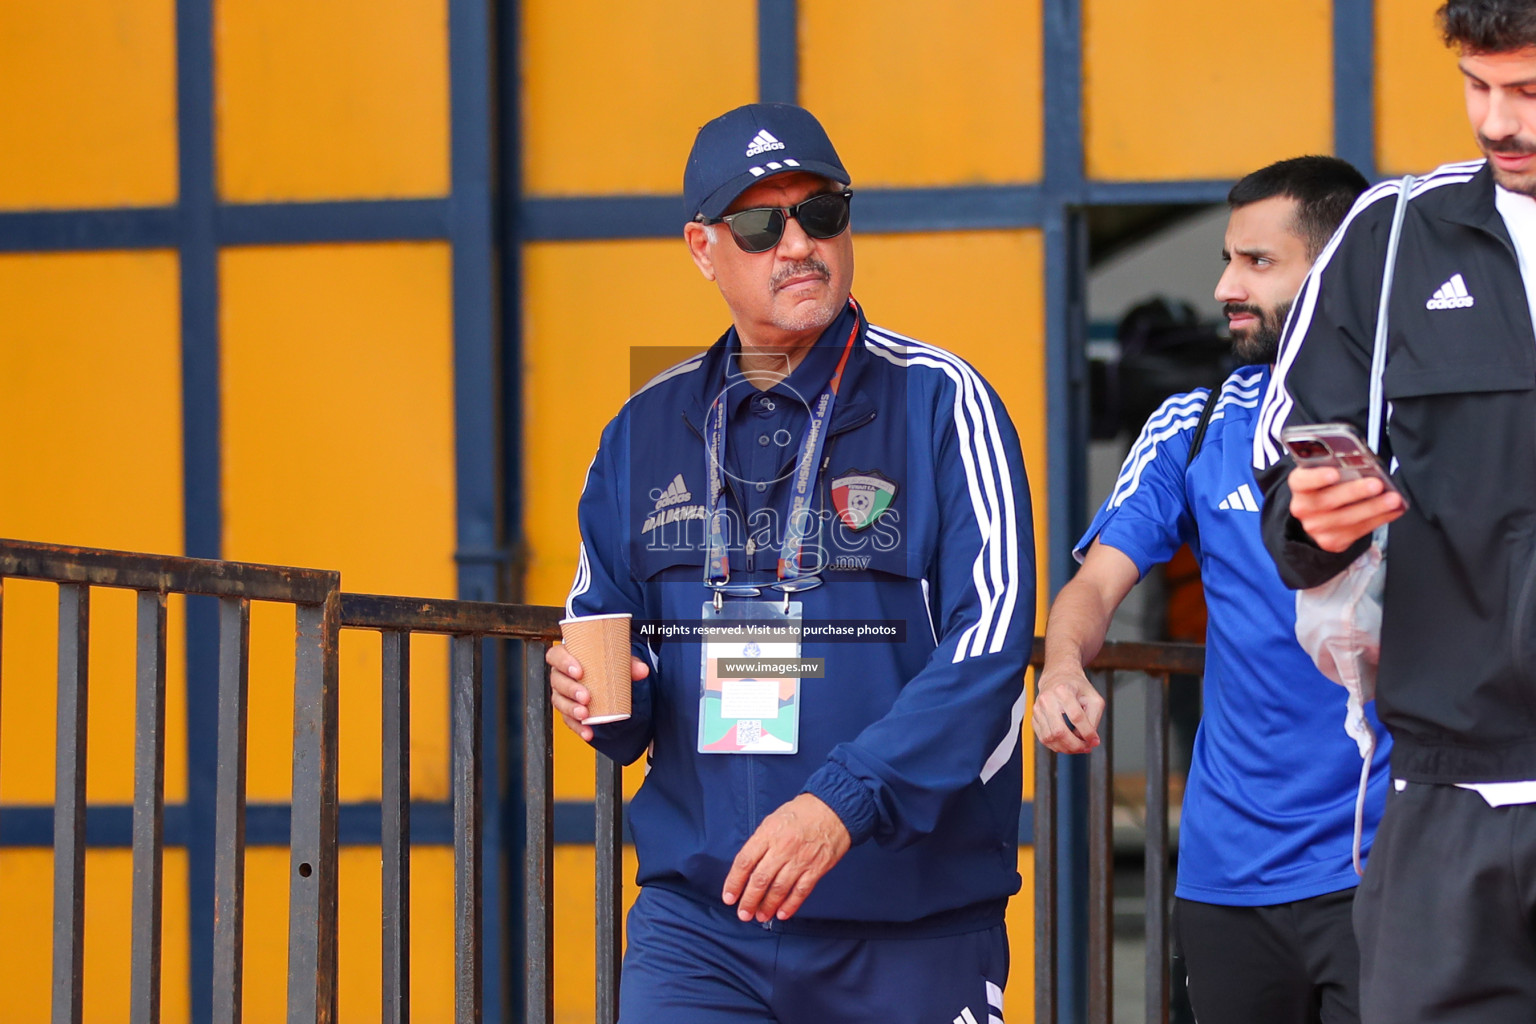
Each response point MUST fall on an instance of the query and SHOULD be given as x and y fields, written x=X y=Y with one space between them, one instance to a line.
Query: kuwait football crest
x=860 y=497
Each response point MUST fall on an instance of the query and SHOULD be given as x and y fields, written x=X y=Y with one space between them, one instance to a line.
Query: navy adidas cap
x=751 y=143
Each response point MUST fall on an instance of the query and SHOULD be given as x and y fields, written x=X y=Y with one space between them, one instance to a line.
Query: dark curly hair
x=1488 y=26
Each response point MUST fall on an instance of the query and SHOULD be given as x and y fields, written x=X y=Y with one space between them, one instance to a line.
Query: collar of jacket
x=853 y=405
x=1473 y=206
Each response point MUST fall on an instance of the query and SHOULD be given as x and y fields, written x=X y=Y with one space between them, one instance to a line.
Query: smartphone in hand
x=1338 y=445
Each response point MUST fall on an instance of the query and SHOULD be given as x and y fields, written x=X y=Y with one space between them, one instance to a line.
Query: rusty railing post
x=69 y=802
x=1047 y=960
x=312 y=844
x=609 y=860
x=538 y=865
x=1101 y=866
x=396 y=826
x=1156 y=850
x=148 y=809
x=466 y=829
x=229 y=811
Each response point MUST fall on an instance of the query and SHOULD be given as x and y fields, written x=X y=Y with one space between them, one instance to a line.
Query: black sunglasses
x=760 y=228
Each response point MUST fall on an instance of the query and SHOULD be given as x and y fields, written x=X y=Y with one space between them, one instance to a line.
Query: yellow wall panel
x=87 y=103
x=586 y=305
x=269 y=773
x=575 y=934
x=91 y=422
x=339 y=454
x=360 y=943
x=1204 y=88
x=28 y=701
x=269 y=705
x=266 y=934
x=90 y=357
x=1019 y=995
x=1421 y=116
x=919 y=92
x=360 y=946
x=339 y=100
x=26 y=909
x=614 y=90
x=1031 y=685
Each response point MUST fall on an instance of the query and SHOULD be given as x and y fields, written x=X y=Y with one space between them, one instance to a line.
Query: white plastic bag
x=1339 y=625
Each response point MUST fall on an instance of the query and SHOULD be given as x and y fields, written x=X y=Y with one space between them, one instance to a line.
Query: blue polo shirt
x=1269 y=804
x=765 y=430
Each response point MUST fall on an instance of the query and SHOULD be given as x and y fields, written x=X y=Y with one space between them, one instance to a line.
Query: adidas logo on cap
x=762 y=142
x=1451 y=295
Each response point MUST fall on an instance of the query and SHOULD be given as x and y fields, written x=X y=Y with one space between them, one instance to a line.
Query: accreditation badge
x=749 y=698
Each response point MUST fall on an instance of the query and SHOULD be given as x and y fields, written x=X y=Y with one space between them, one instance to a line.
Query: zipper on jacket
x=852 y=424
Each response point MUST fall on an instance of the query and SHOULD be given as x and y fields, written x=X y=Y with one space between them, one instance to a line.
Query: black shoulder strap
x=1205 y=421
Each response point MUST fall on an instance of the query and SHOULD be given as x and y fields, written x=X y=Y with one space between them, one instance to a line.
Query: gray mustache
x=810 y=266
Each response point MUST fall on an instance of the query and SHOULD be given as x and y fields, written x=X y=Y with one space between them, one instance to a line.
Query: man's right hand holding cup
x=569 y=697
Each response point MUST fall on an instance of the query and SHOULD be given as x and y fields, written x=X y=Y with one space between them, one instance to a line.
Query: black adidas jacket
x=1457 y=681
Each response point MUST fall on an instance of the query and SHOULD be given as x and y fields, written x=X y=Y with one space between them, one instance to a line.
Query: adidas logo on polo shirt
x=671 y=507
x=762 y=142
x=675 y=494
x=1451 y=295
x=1240 y=500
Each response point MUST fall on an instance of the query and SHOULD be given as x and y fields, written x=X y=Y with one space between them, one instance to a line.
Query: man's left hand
x=785 y=858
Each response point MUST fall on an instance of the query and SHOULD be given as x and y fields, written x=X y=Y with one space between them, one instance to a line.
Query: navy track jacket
x=914 y=743
x=1457 y=682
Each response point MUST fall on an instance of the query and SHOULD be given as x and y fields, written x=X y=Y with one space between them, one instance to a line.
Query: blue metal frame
x=567 y=219
x=504 y=763
x=778 y=51
x=876 y=210
x=481 y=558
x=84 y=230
x=486 y=220
x=1354 y=84
x=1066 y=190
x=471 y=225
x=197 y=204
x=369 y=220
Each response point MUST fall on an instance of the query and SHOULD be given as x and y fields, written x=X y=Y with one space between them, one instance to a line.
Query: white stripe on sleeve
x=1000 y=542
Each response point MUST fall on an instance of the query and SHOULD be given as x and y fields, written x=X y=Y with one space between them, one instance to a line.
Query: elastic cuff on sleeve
x=848 y=796
x=1307 y=565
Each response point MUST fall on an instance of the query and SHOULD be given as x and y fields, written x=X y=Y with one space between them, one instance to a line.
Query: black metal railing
x=469 y=624
x=312 y=886
x=1158 y=662
x=322 y=612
